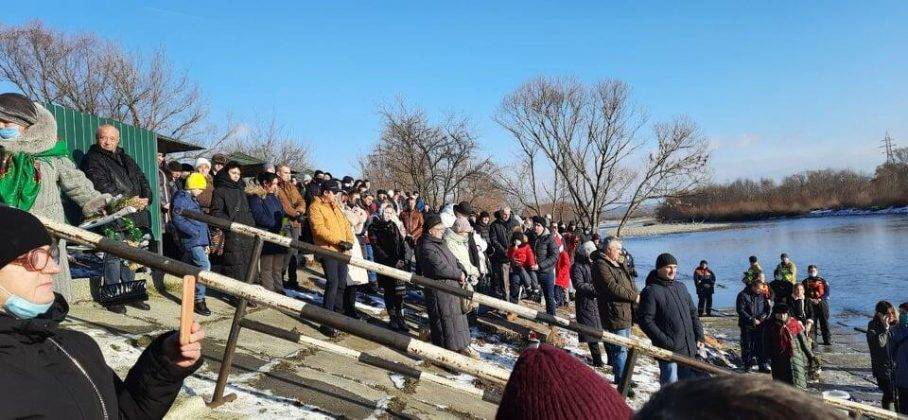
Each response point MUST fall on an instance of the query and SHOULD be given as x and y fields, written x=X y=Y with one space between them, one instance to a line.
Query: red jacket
x=522 y=256
x=563 y=270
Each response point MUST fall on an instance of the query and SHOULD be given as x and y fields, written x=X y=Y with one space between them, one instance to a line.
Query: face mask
x=21 y=308
x=9 y=133
x=812 y=273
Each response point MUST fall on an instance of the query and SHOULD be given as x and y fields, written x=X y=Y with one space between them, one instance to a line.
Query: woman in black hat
x=54 y=372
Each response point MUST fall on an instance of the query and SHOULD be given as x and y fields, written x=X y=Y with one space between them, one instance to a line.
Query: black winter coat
x=546 y=251
x=751 y=306
x=781 y=291
x=668 y=316
x=448 y=323
x=117 y=173
x=228 y=201
x=52 y=372
x=616 y=293
x=388 y=248
x=705 y=283
x=800 y=309
x=587 y=308
x=500 y=238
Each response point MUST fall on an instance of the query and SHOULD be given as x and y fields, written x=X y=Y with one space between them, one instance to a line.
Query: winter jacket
x=781 y=291
x=816 y=288
x=586 y=306
x=787 y=272
x=899 y=343
x=447 y=322
x=192 y=233
x=752 y=272
x=616 y=293
x=522 y=256
x=228 y=201
x=546 y=253
x=500 y=238
x=166 y=195
x=460 y=247
x=268 y=215
x=878 y=341
x=292 y=202
x=413 y=221
x=388 y=248
x=751 y=307
x=704 y=281
x=58 y=373
x=59 y=177
x=117 y=173
x=329 y=225
x=563 y=270
x=668 y=316
x=786 y=347
x=483 y=230
x=800 y=309
x=205 y=197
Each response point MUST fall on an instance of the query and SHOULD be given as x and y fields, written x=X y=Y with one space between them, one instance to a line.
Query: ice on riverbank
x=858 y=212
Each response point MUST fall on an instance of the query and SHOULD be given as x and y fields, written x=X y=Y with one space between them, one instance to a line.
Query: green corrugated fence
x=78 y=130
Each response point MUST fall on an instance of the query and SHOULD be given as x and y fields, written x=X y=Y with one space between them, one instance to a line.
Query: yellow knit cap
x=196 y=181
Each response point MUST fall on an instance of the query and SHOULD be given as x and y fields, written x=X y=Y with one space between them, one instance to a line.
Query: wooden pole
x=285 y=304
x=369 y=359
x=187 y=308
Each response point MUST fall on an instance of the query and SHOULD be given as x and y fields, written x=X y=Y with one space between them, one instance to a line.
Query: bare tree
x=267 y=140
x=438 y=160
x=92 y=75
x=676 y=166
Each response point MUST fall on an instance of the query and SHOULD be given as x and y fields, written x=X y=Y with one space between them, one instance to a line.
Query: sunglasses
x=38 y=259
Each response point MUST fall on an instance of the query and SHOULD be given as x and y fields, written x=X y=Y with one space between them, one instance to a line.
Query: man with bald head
x=114 y=172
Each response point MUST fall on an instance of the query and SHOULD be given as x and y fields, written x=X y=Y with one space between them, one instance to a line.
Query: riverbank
x=769 y=214
x=643 y=227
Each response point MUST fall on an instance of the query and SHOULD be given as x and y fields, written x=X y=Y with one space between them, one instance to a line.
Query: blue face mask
x=9 y=133
x=20 y=308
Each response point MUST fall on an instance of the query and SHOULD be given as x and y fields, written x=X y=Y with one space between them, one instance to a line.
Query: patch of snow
x=398 y=380
x=381 y=408
x=858 y=212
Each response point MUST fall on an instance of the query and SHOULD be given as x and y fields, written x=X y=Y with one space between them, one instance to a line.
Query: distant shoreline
x=644 y=227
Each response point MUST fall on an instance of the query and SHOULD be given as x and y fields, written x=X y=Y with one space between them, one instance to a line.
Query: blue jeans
x=617 y=355
x=114 y=270
x=670 y=373
x=369 y=256
x=197 y=257
x=547 y=283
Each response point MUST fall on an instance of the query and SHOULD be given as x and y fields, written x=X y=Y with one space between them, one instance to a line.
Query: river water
x=863 y=258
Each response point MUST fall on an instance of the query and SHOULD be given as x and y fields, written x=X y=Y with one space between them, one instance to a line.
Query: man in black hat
x=669 y=318
x=546 y=251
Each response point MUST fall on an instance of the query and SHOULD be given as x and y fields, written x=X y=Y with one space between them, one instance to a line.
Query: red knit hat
x=548 y=383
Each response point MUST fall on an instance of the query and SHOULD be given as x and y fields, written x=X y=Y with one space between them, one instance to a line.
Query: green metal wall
x=78 y=130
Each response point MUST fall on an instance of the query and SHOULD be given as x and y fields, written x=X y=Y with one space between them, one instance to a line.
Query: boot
x=140 y=305
x=401 y=322
x=596 y=354
x=117 y=309
x=201 y=308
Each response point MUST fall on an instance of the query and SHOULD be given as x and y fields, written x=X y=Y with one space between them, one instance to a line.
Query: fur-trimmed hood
x=256 y=190
x=39 y=137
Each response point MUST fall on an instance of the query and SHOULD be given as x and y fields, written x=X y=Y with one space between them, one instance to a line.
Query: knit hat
x=219 y=159
x=539 y=220
x=202 y=161
x=784 y=255
x=431 y=220
x=22 y=233
x=752 y=259
x=462 y=225
x=196 y=181
x=588 y=248
x=17 y=108
x=780 y=308
x=549 y=383
x=703 y=262
x=665 y=259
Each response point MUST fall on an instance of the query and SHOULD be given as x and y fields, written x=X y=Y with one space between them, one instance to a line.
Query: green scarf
x=19 y=185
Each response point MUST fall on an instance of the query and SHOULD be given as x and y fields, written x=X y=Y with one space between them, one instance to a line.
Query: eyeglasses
x=38 y=259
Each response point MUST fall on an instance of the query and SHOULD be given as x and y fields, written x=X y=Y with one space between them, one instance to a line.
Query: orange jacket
x=412 y=222
x=329 y=225
x=292 y=202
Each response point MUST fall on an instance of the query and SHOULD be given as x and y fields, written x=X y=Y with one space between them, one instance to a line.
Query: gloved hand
x=345 y=246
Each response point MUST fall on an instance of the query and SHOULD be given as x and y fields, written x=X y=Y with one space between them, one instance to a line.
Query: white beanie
x=202 y=161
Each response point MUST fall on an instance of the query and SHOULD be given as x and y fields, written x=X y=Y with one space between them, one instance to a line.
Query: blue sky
x=777 y=87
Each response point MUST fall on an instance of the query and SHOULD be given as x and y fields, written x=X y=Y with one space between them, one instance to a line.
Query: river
x=860 y=256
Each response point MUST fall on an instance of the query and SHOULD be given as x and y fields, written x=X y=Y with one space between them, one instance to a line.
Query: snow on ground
x=398 y=380
x=859 y=212
x=121 y=355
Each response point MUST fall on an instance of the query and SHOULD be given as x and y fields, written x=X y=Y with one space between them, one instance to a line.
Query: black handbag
x=122 y=293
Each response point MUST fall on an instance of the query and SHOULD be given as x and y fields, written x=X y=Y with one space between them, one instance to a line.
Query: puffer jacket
x=586 y=306
x=192 y=233
x=546 y=251
x=59 y=177
x=615 y=291
x=329 y=225
x=268 y=215
x=563 y=270
x=228 y=201
x=57 y=373
x=668 y=316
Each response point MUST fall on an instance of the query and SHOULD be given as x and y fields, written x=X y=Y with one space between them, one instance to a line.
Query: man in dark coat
x=499 y=241
x=878 y=341
x=53 y=372
x=669 y=318
x=616 y=295
x=753 y=309
x=586 y=306
x=114 y=172
x=546 y=251
x=448 y=324
x=705 y=283
x=229 y=201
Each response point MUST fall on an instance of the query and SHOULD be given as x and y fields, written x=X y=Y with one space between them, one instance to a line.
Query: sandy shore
x=650 y=227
